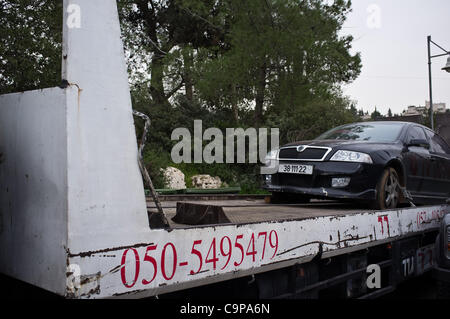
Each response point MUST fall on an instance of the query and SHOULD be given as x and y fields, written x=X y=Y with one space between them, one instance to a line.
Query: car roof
x=404 y=123
x=391 y=122
x=383 y=122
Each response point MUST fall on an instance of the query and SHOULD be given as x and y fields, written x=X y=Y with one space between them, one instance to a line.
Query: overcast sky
x=392 y=38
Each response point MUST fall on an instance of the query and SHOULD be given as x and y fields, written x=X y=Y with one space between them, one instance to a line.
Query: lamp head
x=447 y=67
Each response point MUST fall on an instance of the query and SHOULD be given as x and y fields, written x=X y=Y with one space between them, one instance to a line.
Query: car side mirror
x=419 y=143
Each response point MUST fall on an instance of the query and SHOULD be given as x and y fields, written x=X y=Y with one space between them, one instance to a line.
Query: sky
x=391 y=36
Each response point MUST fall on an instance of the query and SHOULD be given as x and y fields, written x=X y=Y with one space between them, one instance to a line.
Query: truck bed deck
x=254 y=209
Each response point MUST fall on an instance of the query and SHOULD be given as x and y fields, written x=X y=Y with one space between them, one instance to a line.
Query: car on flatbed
x=382 y=163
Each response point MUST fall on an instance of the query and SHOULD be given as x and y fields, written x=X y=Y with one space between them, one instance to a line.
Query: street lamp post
x=446 y=68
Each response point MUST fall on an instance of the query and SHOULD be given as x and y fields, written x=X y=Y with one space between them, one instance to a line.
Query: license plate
x=296 y=169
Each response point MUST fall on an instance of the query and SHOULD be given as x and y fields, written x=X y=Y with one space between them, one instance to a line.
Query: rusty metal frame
x=162 y=217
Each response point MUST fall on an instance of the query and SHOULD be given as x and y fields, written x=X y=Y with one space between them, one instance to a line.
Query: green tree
x=375 y=114
x=30 y=44
x=283 y=55
x=318 y=117
x=162 y=39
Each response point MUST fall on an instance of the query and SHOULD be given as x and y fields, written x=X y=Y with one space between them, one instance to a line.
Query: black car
x=383 y=163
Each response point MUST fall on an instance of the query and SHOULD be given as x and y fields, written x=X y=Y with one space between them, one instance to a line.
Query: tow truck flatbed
x=73 y=211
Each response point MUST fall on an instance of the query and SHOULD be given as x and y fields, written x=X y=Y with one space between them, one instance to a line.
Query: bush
x=155 y=160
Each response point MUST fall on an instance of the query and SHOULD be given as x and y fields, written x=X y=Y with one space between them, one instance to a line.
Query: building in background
x=421 y=110
x=437 y=107
x=414 y=110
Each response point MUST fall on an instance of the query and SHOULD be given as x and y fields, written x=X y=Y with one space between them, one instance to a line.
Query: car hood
x=326 y=143
x=343 y=144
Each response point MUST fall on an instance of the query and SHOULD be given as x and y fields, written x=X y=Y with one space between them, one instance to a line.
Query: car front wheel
x=388 y=190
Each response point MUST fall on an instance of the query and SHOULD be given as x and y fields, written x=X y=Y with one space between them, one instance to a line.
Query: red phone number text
x=219 y=255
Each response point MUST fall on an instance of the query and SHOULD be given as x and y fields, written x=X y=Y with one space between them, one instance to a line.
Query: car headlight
x=349 y=156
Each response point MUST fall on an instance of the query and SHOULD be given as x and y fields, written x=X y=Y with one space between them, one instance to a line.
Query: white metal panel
x=105 y=187
x=33 y=187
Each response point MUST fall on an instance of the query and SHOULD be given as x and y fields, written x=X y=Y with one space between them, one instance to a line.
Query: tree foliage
x=375 y=114
x=30 y=44
x=267 y=56
x=283 y=54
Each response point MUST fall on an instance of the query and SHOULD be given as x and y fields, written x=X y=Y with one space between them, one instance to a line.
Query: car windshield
x=371 y=132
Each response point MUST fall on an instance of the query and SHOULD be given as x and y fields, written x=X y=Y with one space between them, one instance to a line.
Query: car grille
x=310 y=153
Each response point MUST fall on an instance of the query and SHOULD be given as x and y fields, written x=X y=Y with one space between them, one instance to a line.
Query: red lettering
x=123 y=271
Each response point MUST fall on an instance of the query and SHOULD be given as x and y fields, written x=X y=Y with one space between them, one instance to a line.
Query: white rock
x=206 y=182
x=174 y=178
